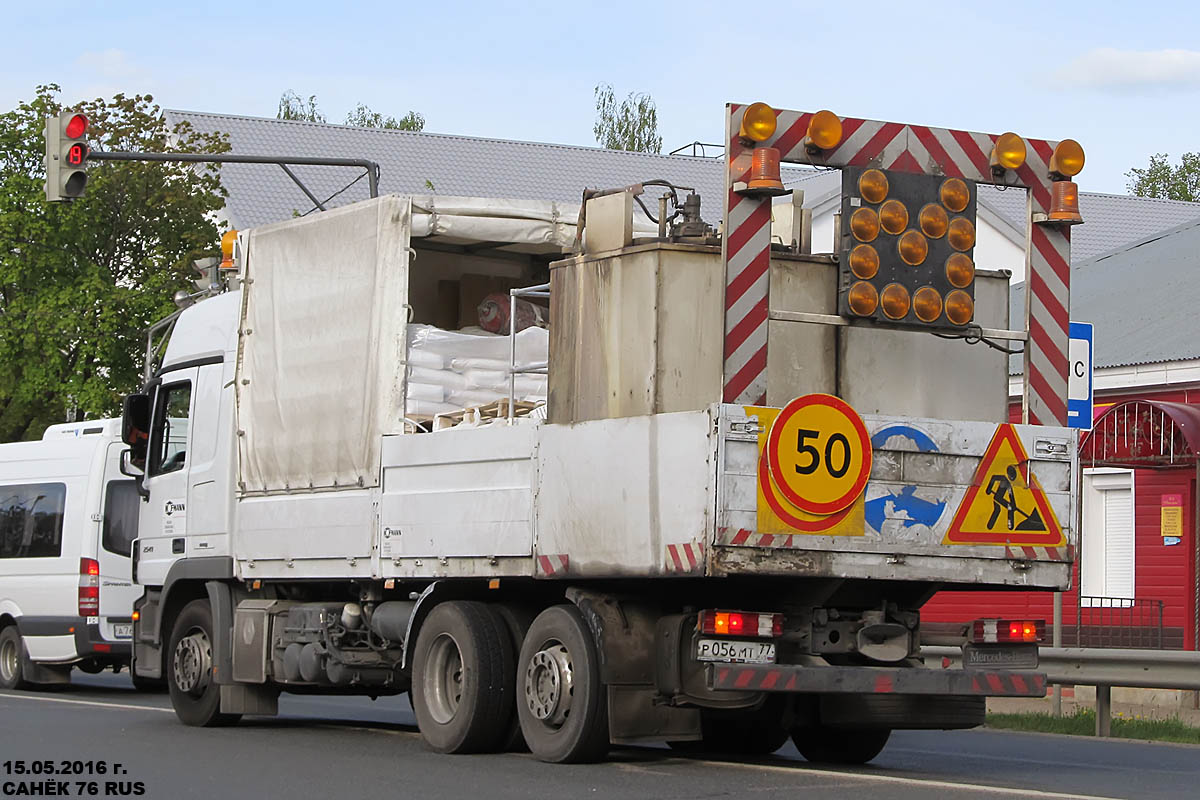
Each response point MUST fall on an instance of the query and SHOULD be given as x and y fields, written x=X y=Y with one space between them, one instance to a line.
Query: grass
x=1083 y=723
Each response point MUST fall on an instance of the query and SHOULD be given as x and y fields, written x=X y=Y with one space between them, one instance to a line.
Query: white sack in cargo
x=320 y=373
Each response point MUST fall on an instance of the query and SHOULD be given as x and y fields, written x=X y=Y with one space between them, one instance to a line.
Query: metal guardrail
x=1103 y=668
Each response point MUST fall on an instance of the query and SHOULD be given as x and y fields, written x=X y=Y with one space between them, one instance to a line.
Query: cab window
x=168 y=448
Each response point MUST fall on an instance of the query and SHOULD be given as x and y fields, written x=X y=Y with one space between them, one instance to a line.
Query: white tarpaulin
x=321 y=354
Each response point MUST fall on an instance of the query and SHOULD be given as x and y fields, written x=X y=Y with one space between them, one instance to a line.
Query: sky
x=1121 y=78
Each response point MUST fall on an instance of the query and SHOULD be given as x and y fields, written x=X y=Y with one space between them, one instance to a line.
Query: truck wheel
x=840 y=745
x=562 y=705
x=748 y=733
x=516 y=619
x=195 y=696
x=462 y=686
x=12 y=650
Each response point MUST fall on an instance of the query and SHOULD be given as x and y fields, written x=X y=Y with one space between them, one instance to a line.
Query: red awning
x=1144 y=433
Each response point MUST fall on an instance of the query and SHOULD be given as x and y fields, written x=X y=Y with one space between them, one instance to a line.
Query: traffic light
x=906 y=254
x=66 y=156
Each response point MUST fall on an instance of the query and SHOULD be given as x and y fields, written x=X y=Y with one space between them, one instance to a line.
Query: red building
x=1138 y=562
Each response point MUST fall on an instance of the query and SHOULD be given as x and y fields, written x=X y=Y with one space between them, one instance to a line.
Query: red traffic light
x=76 y=126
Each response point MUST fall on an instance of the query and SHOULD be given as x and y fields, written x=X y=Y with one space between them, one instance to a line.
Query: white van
x=68 y=518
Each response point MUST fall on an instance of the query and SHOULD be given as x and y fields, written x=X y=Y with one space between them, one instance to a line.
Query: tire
x=758 y=732
x=516 y=620
x=840 y=745
x=462 y=687
x=195 y=696
x=12 y=653
x=561 y=703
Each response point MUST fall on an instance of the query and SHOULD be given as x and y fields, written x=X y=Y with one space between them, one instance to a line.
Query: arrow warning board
x=1005 y=504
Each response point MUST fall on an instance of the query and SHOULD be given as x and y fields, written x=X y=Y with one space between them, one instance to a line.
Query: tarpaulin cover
x=321 y=354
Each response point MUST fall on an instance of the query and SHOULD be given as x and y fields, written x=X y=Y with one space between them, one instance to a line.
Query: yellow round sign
x=819 y=453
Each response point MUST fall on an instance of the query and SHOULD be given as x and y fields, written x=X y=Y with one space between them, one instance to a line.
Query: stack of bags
x=451 y=371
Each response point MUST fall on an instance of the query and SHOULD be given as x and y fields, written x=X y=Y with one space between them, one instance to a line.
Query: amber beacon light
x=758 y=122
x=764 y=170
x=1064 y=203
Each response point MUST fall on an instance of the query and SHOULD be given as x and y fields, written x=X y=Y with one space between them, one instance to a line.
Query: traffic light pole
x=284 y=162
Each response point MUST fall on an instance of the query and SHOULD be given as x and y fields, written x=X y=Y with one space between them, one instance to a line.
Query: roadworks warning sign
x=1005 y=504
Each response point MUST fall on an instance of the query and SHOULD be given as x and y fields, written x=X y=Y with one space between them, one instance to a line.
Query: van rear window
x=31 y=520
x=121 y=508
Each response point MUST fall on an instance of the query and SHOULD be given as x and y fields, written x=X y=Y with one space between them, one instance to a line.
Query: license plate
x=1017 y=656
x=736 y=652
x=123 y=630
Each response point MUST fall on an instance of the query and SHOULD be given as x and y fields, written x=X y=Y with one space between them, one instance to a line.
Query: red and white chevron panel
x=1025 y=553
x=741 y=537
x=906 y=148
x=552 y=566
x=685 y=559
x=746 y=250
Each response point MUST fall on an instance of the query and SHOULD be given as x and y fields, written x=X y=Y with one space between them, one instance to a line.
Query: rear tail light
x=89 y=587
x=1009 y=631
x=740 y=623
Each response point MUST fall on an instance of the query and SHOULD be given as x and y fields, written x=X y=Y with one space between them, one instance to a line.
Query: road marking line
x=124 y=706
x=934 y=783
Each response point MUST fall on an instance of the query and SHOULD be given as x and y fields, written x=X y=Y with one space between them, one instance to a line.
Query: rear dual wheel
x=462 y=688
x=561 y=703
x=840 y=745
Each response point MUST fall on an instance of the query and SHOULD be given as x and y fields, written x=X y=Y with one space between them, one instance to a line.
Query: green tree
x=1166 y=181
x=363 y=117
x=80 y=281
x=293 y=106
x=631 y=125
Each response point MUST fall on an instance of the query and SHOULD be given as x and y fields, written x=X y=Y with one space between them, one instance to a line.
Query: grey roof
x=1141 y=298
x=454 y=165
x=1111 y=220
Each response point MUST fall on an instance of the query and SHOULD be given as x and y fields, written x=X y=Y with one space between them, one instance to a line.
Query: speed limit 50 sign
x=819 y=454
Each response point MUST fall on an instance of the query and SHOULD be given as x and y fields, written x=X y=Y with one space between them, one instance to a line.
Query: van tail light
x=740 y=623
x=1009 y=631
x=89 y=587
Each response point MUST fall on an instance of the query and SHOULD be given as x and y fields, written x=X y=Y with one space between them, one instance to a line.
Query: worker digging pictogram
x=1005 y=504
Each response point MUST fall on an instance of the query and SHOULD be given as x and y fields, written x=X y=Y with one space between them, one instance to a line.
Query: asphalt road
x=330 y=747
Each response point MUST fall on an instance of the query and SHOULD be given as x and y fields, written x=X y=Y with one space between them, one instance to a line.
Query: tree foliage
x=293 y=106
x=1166 y=181
x=631 y=125
x=363 y=117
x=80 y=281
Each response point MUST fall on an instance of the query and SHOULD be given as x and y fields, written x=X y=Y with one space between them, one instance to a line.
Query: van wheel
x=195 y=696
x=12 y=650
x=562 y=705
x=462 y=686
x=840 y=745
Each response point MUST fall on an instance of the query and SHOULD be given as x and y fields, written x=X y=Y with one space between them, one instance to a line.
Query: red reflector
x=77 y=126
x=102 y=648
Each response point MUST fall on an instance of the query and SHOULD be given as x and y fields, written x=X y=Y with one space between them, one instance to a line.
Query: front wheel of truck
x=826 y=745
x=195 y=695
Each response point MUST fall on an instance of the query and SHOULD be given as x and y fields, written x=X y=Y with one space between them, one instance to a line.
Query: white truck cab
x=68 y=517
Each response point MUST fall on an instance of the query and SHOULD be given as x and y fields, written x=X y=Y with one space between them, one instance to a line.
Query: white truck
x=636 y=560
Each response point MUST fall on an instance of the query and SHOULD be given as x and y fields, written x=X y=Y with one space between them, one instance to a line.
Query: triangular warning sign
x=1005 y=504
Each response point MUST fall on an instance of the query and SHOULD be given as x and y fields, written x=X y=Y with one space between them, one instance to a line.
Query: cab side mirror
x=135 y=425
